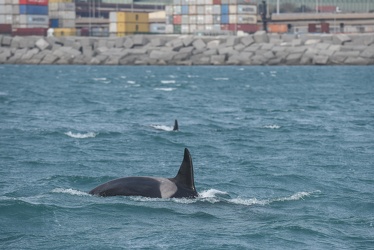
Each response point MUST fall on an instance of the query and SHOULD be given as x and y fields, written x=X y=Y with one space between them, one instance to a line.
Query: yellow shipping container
x=64 y=32
x=131 y=28
x=132 y=17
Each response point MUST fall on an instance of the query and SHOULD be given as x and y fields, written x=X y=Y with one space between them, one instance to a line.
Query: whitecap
x=81 y=136
x=100 y=79
x=167 y=81
x=163 y=127
x=211 y=193
x=221 y=79
x=295 y=197
x=274 y=126
x=69 y=191
x=131 y=82
x=248 y=202
x=165 y=89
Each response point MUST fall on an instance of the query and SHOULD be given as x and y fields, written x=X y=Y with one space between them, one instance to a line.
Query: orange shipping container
x=277 y=28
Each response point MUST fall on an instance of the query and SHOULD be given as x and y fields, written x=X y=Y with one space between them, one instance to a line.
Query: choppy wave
x=163 y=127
x=221 y=79
x=165 y=89
x=274 y=126
x=69 y=191
x=167 y=81
x=81 y=136
x=217 y=196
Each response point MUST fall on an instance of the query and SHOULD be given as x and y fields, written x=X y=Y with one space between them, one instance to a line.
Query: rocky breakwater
x=257 y=49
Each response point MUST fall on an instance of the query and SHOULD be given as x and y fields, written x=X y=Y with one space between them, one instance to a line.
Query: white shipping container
x=200 y=27
x=192 y=27
x=15 y=9
x=185 y=19
x=177 y=10
x=66 y=6
x=177 y=2
x=201 y=10
x=67 y=14
x=112 y=18
x=216 y=9
x=208 y=19
x=216 y=19
x=232 y=18
x=169 y=29
x=208 y=9
x=6 y=19
x=185 y=29
x=169 y=10
x=16 y=26
x=52 y=7
x=243 y=19
x=247 y=9
x=193 y=20
x=208 y=2
x=192 y=10
x=208 y=27
x=200 y=2
x=200 y=19
x=6 y=9
x=192 y=2
x=113 y=27
x=233 y=9
x=157 y=28
x=15 y=2
x=3 y=2
x=67 y=23
x=216 y=27
x=34 y=20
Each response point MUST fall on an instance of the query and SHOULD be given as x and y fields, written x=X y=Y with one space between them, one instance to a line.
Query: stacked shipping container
x=23 y=17
x=62 y=17
x=123 y=23
x=32 y=14
x=6 y=16
x=189 y=16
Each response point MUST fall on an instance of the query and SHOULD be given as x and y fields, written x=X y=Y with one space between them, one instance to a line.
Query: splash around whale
x=181 y=186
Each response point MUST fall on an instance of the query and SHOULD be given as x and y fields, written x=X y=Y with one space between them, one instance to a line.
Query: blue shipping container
x=225 y=19
x=53 y=23
x=33 y=10
x=225 y=9
x=185 y=9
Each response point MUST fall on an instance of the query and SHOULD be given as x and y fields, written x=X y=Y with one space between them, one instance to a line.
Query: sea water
x=283 y=156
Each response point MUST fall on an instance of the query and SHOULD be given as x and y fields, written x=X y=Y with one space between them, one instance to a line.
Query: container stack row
x=24 y=17
x=124 y=23
x=62 y=17
x=190 y=16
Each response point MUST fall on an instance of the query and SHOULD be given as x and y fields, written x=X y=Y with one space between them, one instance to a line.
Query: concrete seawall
x=257 y=49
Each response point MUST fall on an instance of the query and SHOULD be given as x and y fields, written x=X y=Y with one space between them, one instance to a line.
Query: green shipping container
x=177 y=29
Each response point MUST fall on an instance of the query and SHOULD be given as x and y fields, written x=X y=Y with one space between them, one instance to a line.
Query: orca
x=181 y=186
x=176 y=127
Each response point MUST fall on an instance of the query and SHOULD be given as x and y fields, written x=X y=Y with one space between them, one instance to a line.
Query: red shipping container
x=30 y=32
x=218 y=2
x=33 y=2
x=224 y=26
x=5 y=28
x=177 y=19
x=325 y=28
x=248 y=28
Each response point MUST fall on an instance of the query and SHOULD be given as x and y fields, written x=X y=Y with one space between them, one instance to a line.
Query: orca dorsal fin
x=176 y=127
x=185 y=174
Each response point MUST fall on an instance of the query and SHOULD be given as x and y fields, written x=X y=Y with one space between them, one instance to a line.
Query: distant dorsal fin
x=176 y=127
x=185 y=174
